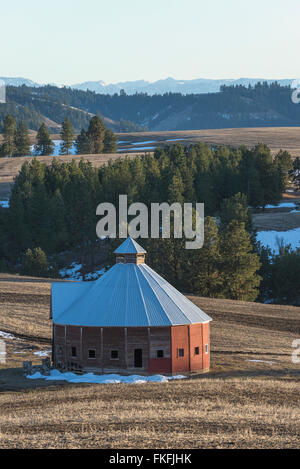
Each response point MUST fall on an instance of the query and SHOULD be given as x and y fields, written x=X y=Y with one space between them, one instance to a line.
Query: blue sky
x=70 y=41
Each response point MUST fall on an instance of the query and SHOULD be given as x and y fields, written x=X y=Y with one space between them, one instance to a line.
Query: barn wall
x=113 y=339
x=206 y=340
x=125 y=341
x=160 y=339
x=180 y=340
x=138 y=338
x=188 y=338
x=199 y=337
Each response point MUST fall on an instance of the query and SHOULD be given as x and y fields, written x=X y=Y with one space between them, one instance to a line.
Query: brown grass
x=239 y=404
x=10 y=167
x=287 y=138
x=280 y=221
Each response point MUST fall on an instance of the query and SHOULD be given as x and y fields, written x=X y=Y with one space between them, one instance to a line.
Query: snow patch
x=144 y=143
x=73 y=273
x=4 y=203
x=261 y=361
x=102 y=379
x=282 y=205
x=42 y=353
x=273 y=239
x=143 y=148
x=175 y=139
x=6 y=335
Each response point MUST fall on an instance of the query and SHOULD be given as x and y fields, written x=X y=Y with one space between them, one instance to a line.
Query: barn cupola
x=130 y=252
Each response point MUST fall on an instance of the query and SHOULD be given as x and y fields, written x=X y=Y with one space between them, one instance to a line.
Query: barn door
x=138 y=358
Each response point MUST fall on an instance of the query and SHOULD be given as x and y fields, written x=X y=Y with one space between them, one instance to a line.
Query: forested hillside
x=235 y=106
x=53 y=210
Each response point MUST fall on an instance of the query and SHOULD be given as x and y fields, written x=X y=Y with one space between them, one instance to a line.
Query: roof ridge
x=141 y=267
x=179 y=307
x=142 y=295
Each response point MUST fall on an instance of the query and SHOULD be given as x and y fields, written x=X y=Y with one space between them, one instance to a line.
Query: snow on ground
x=42 y=353
x=274 y=238
x=4 y=203
x=102 y=379
x=57 y=148
x=261 y=361
x=143 y=148
x=175 y=139
x=73 y=273
x=5 y=335
x=283 y=205
x=144 y=143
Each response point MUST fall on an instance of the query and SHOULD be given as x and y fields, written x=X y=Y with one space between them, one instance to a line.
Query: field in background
x=286 y=138
x=249 y=399
x=10 y=167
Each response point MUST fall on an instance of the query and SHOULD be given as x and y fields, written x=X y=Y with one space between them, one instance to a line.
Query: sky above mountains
x=79 y=40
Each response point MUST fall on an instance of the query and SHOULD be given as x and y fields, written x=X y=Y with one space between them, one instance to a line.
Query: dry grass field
x=250 y=399
x=10 y=167
x=286 y=138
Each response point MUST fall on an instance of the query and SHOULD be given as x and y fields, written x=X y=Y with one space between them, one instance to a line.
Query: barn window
x=197 y=351
x=206 y=348
x=159 y=354
x=114 y=354
x=73 y=352
x=180 y=352
x=92 y=353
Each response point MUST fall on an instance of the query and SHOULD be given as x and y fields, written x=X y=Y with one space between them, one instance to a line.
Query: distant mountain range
x=168 y=85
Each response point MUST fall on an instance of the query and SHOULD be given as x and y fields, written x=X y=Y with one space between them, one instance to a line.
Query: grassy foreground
x=250 y=399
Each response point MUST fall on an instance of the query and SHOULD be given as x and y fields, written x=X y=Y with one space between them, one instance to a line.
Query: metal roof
x=127 y=295
x=130 y=246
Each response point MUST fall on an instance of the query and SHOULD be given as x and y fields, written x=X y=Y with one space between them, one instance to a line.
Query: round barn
x=129 y=320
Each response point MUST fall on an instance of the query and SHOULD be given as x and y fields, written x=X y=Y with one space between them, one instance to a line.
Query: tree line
x=16 y=139
x=53 y=209
x=233 y=106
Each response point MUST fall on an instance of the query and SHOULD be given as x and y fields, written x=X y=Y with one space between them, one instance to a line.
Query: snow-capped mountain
x=18 y=81
x=201 y=85
x=168 y=85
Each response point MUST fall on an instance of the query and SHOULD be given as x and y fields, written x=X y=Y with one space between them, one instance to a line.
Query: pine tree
x=236 y=208
x=96 y=134
x=35 y=263
x=22 y=141
x=284 y=163
x=82 y=143
x=44 y=144
x=239 y=263
x=176 y=189
x=110 y=142
x=67 y=136
x=296 y=172
x=9 y=133
x=203 y=266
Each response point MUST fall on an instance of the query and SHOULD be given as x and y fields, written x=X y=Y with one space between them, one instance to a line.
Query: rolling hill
x=264 y=105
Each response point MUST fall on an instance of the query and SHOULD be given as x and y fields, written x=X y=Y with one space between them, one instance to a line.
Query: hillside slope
x=263 y=105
